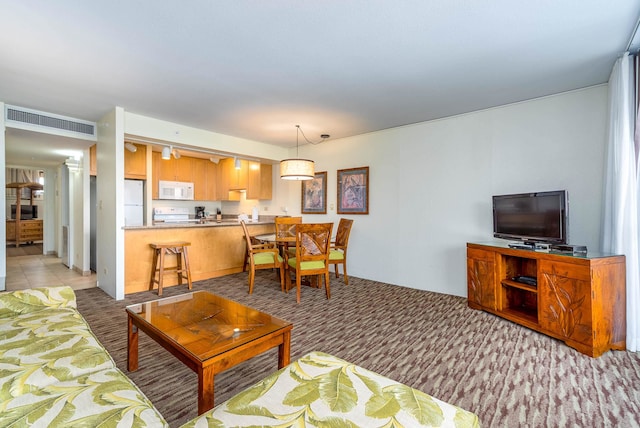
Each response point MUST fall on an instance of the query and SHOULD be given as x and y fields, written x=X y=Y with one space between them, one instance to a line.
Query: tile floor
x=41 y=271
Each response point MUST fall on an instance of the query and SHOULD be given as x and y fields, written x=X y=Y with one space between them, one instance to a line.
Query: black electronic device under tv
x=532 y=217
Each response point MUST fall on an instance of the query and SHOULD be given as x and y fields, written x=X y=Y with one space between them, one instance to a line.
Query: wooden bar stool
x=182 y=263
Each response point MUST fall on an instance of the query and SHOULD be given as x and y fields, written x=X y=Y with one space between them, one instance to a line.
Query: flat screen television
x=532 y=217
x=27 y=212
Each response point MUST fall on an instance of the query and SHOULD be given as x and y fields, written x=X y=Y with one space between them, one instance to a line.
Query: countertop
x=206 y=223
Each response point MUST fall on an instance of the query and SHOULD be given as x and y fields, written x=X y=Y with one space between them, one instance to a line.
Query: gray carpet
x=507 y=374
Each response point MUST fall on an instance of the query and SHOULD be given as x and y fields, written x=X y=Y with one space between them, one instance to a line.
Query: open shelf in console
x=518 y=300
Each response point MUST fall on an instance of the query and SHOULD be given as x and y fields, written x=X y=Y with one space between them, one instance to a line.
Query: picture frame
x=314 y=194
x=353 y=190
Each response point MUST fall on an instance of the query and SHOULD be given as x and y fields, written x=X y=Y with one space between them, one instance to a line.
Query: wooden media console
x=579 y=299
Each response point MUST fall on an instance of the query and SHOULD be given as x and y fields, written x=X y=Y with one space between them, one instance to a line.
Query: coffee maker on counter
x=199 y=212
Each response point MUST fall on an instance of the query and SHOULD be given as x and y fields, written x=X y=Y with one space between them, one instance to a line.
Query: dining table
x=283 y=243
x=271 y=237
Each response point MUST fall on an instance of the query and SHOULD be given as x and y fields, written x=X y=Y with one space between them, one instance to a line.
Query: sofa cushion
x=40 y=348
x=36 y=299
x=103 y=398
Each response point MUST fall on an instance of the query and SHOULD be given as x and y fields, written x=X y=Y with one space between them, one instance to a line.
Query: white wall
x=431 y=183
x=50 y=217
x=110 y=213
x=3 y=209
x=76 y=224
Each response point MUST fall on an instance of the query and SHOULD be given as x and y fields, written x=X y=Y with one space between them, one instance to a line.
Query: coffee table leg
x=132 y=347
x=284 y=350
x=205 y=390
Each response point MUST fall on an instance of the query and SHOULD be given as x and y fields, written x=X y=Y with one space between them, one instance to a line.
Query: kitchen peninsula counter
x=216 y=249
x=208 y=223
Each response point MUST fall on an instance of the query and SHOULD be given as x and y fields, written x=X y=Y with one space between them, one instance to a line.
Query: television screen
x=27 y=212
x=531 y=217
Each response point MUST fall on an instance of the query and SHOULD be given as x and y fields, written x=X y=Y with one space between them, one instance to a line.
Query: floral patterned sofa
x=54 y=372
x=320 y=390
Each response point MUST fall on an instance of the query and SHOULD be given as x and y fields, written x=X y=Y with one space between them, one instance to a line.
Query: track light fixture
x=236 y=163
x=166 y=153
x=130 y=146
x=176 y=153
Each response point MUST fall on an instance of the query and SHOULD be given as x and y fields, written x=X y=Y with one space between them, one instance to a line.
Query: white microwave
x=178 y=190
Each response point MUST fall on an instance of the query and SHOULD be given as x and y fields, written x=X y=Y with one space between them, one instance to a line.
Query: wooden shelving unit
x=23 y=231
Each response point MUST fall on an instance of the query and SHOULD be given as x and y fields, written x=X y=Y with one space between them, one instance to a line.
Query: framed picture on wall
x=314 y=194
x=353 y=190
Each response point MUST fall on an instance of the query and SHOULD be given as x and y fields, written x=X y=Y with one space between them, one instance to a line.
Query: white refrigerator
x=133 y=203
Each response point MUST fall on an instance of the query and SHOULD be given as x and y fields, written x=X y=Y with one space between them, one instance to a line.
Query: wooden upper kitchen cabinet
x=205 y=177
x=173 y=169
x=201 y=172
x=135 y=163
x=235 y=179
x=253 y=177
x=232 y=180
x=156 y=158
x=214 y=182
x=259 y=182
x=93 y=161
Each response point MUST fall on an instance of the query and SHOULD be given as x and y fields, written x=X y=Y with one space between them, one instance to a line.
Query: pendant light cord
x=323 y=137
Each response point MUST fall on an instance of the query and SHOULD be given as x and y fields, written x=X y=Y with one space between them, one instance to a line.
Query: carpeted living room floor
x=505 y=373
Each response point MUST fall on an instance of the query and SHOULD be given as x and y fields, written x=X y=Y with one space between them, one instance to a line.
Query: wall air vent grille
x=49 y=123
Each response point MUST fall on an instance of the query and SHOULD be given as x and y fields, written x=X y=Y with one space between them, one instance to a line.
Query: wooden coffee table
x=208 y=333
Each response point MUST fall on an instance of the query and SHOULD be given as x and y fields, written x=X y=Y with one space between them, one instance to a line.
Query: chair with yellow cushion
x=313 y=242
x=338 y=253
x=262 y=256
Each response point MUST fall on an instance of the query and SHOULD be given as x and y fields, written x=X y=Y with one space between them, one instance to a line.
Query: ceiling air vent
x=38 y=121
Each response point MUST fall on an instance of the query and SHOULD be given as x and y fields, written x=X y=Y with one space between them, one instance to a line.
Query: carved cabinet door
x=481 y=278
x=564 y=299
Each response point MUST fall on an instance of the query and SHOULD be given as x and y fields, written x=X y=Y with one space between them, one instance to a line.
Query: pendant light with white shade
x=297 y=169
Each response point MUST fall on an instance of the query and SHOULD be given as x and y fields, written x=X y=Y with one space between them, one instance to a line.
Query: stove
x=172 y=215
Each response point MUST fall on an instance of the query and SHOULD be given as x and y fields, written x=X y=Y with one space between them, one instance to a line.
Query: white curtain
x=620 y=231
x=20 y=175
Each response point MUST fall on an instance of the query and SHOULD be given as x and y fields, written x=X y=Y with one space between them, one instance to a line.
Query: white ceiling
x=255 y=69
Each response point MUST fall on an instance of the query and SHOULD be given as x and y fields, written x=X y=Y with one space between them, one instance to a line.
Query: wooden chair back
x=286 y=226
x=338 y=254
x=342 y=234
x=248 y=239
x=254 y=248
x=313 y=243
